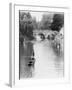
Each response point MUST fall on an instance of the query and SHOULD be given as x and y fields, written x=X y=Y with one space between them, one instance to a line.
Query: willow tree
x=26 y=25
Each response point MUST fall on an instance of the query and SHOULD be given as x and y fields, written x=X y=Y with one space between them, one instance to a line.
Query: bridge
x=45 y=32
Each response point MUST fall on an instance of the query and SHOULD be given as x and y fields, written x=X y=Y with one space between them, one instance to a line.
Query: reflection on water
x=47 y=63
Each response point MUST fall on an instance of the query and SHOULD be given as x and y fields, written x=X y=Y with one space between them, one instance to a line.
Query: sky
x=37 y=15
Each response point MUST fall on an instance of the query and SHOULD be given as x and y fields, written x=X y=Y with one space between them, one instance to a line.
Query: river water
x=47 y=63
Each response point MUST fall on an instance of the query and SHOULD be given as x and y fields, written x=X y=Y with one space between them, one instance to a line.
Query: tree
x=35 y=23
x=46 y=21
x=58 y=22
x=26 y=25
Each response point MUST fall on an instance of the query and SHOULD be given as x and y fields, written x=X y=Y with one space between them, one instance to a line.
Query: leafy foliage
x=46 y=21
x=26 y=25
x=58 y=22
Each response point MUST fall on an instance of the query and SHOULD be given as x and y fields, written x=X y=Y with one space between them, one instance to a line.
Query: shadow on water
x=26 y=54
